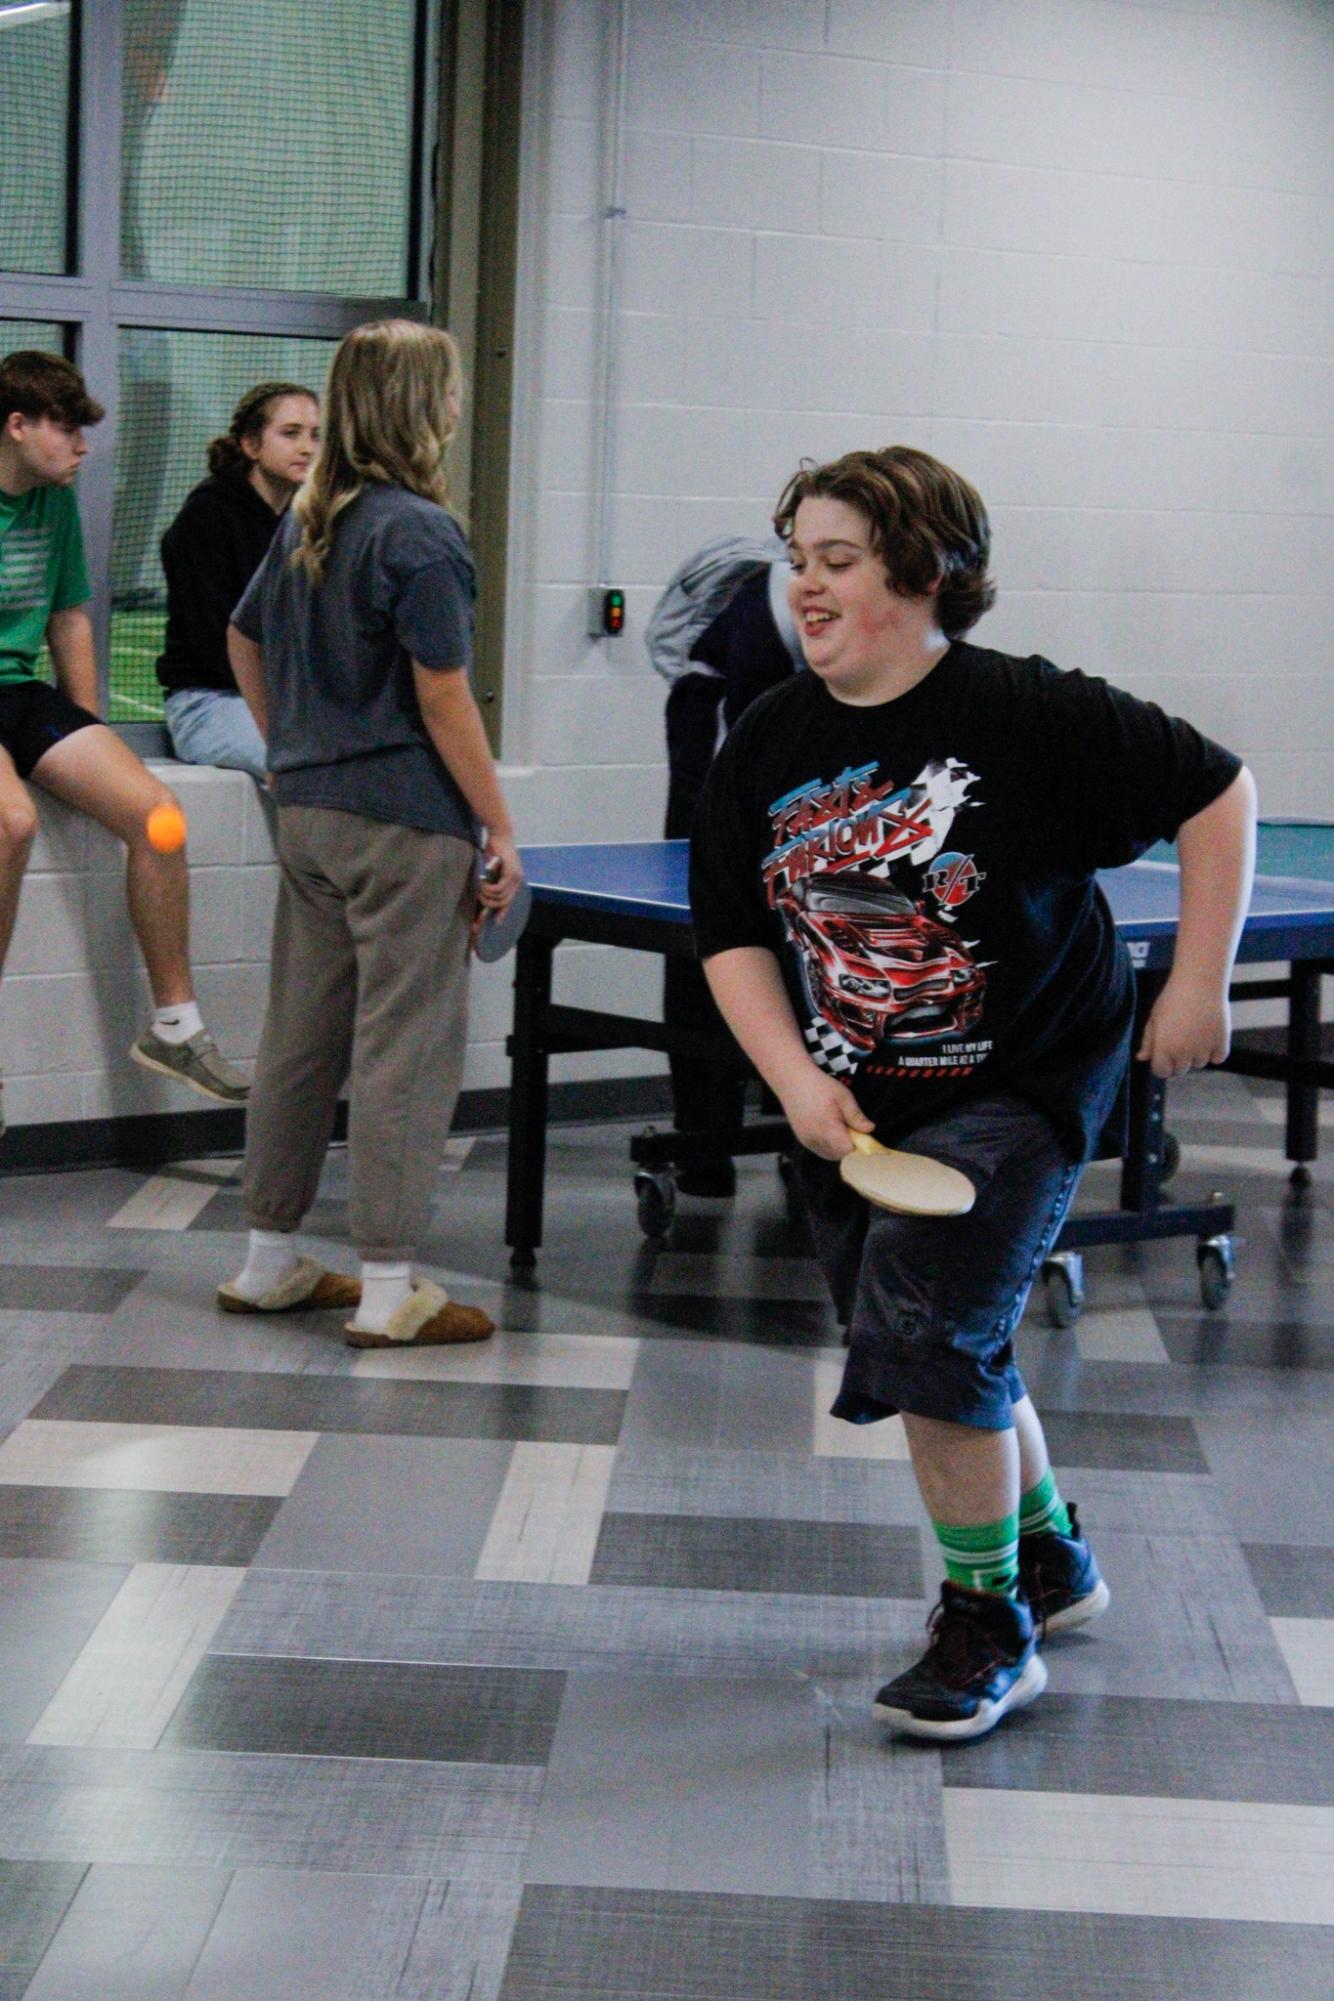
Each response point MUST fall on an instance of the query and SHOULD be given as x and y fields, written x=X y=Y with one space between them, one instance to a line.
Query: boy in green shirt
x=53 y=737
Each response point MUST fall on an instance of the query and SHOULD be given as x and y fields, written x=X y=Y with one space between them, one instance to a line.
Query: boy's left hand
x=1188 y=1028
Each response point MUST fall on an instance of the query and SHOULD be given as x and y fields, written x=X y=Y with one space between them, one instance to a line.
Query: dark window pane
x=268 y=143
x=177 y=391
x=34 y=115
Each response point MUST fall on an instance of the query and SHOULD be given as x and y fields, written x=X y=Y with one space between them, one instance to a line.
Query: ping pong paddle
x=498 y=931
x=907 y=1184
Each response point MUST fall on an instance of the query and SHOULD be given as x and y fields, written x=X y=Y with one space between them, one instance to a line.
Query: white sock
x=383 y=1290
x=272 y=1255
x=178 y=1022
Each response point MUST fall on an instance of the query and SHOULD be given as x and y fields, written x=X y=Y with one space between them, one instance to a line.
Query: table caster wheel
x=1218 y=1267
x=655 y=1200
x=1063 y=1283
x=1171 y=1158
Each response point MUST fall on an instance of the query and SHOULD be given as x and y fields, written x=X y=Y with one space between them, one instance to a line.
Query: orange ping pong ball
x=166 y=829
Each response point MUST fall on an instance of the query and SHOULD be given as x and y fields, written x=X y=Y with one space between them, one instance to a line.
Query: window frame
x=94 y=303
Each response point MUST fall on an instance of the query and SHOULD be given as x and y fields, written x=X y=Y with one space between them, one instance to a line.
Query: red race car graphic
x=877 y=968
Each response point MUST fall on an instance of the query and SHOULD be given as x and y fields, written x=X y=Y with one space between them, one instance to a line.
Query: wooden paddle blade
x=907 y=1184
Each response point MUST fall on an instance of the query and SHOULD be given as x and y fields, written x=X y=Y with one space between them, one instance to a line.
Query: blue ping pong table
x=633 y=895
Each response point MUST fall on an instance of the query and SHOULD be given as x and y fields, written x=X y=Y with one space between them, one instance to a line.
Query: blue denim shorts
x=931 y=1303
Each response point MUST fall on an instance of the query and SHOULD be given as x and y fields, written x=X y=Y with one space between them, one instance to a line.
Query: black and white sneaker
x=982 y=1663
x=1061 y=1579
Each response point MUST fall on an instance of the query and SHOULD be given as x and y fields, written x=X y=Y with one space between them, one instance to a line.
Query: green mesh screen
x=34 y=111
x=268 y=143
x=45 y=334
x=177 y=390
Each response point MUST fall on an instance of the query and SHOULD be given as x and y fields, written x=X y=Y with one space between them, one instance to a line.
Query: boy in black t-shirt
x=893 y=891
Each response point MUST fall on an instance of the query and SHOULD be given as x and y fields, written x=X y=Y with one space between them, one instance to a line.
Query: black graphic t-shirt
x=924 y=871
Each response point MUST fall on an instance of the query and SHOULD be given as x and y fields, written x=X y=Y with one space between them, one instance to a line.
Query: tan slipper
x=308 y=1285
x=430 y=1319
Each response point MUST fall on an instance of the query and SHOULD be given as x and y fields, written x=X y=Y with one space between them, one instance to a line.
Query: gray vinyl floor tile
x=575 y=1944
x=319 y=1615
x=216 y=1809
x=307 y=1936
x=368 y=1709
x=321 y=1403
x=1151 y=1444
x=131 y=1934
x=49 y=1611
x=722 y=1395
x=1171 y=1748
x=722 y=1553
x=779 y=1486
x=34 y=1897
x=1275 y=1473
x=37 y=1288
x=85 y=1525
x=1294 y=1581
x=412 y=1505
x=1185 y=1621
x=741 y=1786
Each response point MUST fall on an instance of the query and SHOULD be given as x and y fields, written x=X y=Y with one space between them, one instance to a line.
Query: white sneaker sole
x=1026 y=1689
x=1083 y=1609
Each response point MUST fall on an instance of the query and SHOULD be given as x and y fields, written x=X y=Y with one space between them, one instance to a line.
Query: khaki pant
x=369 y=981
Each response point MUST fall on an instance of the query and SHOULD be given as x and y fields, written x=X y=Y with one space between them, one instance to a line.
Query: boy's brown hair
x=928 y=525
x=44 y=385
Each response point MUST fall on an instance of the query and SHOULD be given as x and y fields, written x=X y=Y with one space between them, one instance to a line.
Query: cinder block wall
x=1082 y=249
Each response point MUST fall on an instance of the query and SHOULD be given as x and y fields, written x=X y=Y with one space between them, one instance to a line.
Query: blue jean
x=932 y=1303
x=209 y=726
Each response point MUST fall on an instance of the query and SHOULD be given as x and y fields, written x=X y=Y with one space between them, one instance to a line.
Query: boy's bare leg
x=95 y=772
x=965 y=1475
x=18 y=824
x=1033 y=1458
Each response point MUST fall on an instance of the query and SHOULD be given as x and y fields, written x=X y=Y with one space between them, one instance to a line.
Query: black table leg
x=1302 y=1139
x=526 y=1167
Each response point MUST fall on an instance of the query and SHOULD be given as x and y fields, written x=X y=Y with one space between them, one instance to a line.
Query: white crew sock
x=272 y=1255
x=384 y=1288
x=178 y=1022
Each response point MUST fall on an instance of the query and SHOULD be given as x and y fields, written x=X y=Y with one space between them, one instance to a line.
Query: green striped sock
x=982 y=1556
x=1041 y=1509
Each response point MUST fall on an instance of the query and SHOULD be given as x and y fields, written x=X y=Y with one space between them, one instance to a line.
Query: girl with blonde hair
x=352 y=646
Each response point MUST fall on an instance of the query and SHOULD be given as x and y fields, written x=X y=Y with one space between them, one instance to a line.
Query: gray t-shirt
x=345 y=727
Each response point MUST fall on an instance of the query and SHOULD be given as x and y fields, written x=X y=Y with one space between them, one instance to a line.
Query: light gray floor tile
x=785 y=1486
x=1174 y=1858
x=151 y=1458
x=1276 y=1475
x=1307 y=1646
x=49 y=1611
x=131 y=1935
x=732 y=1785
x=719 y=1394
x=124 y=1687
x=309 y=1937
x=225 y=1809
x=1185 y=1621
x=545 y=1526
x=389 y=1504
x=518 y=1625
x=461 y=1943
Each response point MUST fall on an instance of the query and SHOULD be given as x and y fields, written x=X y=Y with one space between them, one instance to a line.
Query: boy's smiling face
x=852 y=626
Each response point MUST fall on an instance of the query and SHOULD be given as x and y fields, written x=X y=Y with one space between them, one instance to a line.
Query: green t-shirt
x=42 y=569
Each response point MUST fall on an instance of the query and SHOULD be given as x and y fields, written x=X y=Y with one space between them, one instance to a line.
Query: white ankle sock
x=178 y=1022
x=272 y=1255
x=384 y=1288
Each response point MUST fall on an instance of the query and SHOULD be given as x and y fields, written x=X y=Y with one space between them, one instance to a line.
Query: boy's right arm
x=747 y=984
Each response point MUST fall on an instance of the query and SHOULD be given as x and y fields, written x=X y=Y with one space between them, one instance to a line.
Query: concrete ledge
x=75 y=994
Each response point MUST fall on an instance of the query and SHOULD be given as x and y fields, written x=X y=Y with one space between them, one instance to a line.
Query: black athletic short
x=33 y=716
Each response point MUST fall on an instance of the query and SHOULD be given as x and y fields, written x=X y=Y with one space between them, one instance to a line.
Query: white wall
x=1081 y=249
